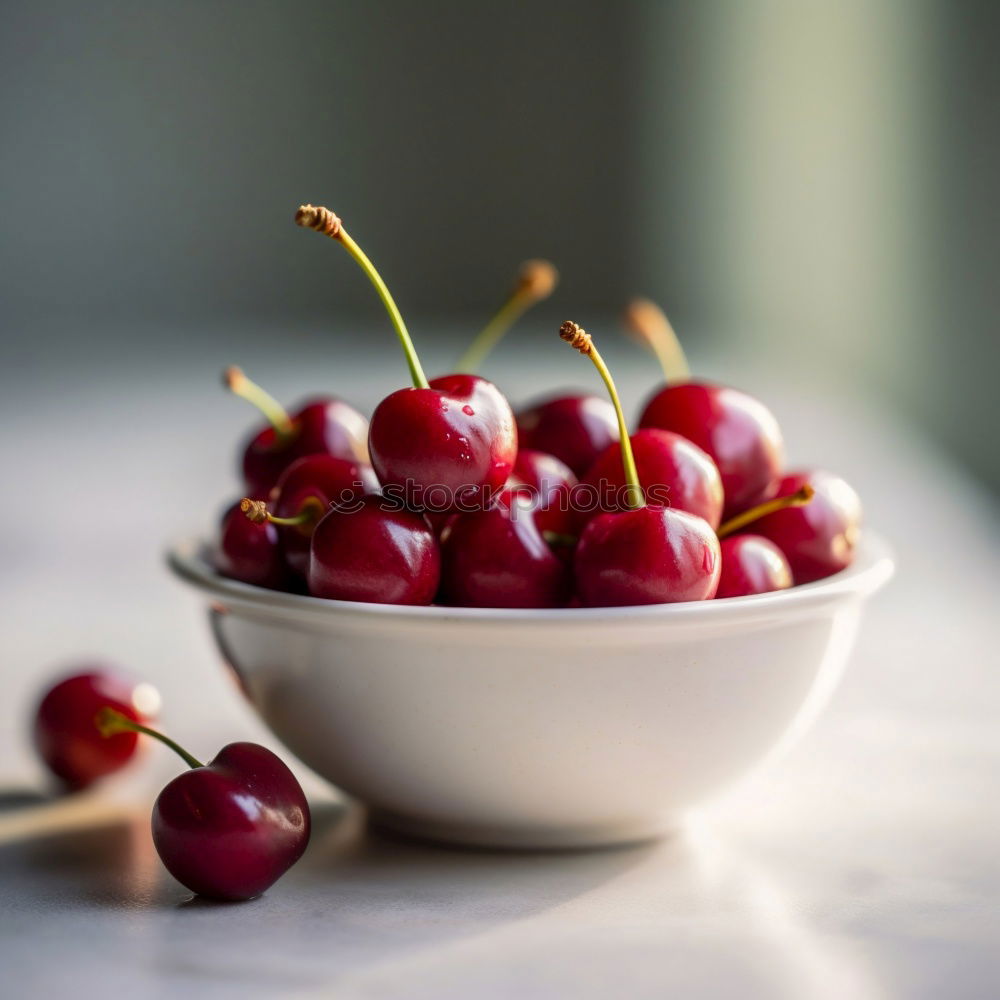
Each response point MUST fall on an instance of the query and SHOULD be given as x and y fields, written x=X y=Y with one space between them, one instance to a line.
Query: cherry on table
x=453 y=437
x=66 y=736
x=645 y=554
x=228 y=829
x=376 y=551
x=752 y=564
x=575 y=428
x=320 y=426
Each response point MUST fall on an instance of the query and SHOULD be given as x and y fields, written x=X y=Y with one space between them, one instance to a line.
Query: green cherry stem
x=110 y=722
x=577 y=337
x=799 y=498
x=277 y=416
x=256 y=510
x=536 y=280
x=648 y=324
x=326 y=222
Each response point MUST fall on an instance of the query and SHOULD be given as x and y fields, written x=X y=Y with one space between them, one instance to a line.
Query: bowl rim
x=872 y=567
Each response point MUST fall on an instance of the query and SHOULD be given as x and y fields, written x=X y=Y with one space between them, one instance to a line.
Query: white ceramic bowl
x=536 y=728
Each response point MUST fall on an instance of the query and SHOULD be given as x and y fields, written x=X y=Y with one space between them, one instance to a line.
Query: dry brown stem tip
x=644 y=319
x=537 y=279
x=255 y=510
x=576 y=336
x=231 y=376
x=319 y=218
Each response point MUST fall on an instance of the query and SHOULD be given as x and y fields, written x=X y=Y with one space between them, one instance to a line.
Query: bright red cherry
x=303 y=495
x=66 y=735
x=819 y=538
x=547 y=485
x=645 y=554
x=498 y=558
x=231 y=828
x=673 y=471
x=250 y=552
x=752 y=565
x=446 y=445
x=321 y=426
x=737 y=431
x=575 y=429
x=374 y=551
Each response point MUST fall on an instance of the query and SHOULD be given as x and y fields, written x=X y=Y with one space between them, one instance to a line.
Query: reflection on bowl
x=548 y=728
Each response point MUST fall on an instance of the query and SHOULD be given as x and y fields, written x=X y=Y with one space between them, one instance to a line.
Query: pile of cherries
x=447 y=496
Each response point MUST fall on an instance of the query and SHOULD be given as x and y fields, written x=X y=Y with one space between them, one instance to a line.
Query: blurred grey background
x=808 y=183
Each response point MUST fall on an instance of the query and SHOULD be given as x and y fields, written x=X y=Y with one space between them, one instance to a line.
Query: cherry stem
x=577 y=337
x=557 y=538
x=277 y=416
x=256 y=511
x=799 y=498
x=110 y=722
x=326 y=222
x=647 y=322
x=536 y=280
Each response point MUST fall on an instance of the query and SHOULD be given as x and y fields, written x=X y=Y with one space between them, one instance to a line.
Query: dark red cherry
x=819 y=538
x=448 y=447
x=673 y=471
x=304 y=492
x=231 y=828
x=374 y=551
x=738 y=432
x=752 y=565
x=66 y=735
x=547 y=485
x=575 y=429
x=250 y=552
x=498 y=558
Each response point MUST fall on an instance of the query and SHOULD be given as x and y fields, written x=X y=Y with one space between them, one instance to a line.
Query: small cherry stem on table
x=277 y=416
x=110 y=722
x=799 y=498
x=648 y=324
x=326 y=222
x=256 y=511
x=578 y=338
x=536 y=280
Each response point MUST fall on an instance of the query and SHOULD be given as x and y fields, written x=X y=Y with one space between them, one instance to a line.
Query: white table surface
x=863 y=865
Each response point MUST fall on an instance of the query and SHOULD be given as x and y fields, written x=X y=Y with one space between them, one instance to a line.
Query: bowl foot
x=554 y=838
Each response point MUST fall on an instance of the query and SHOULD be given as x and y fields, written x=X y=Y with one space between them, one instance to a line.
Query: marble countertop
x=862 y=865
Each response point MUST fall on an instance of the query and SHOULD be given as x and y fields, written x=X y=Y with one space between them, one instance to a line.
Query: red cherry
x=547 y=484
x=673 y=471
x=303 y=494
x=231 y=828
x=66 y=735
x=738 y=432
x=450 y=443
x=374 y=551
x=818 y=539
x=250 y=552
x=752 y=565
x=321 y=426
x=645 y=554
x=575 y=429
x=498 y=558
x=449 y=447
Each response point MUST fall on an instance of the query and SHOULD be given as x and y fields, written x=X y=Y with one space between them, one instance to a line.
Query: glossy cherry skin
x=752 y=565
x=737 y=431
x=319 y=481
x=819 y=538
x=497 y=558
x=323 y=426
x=66 y=737
x=232 y=828
x=547 y=484
x=575 y=429
x=250 y=552
x=651 y=555
x=673 y=472
x=374 y=551
x=445 y=448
